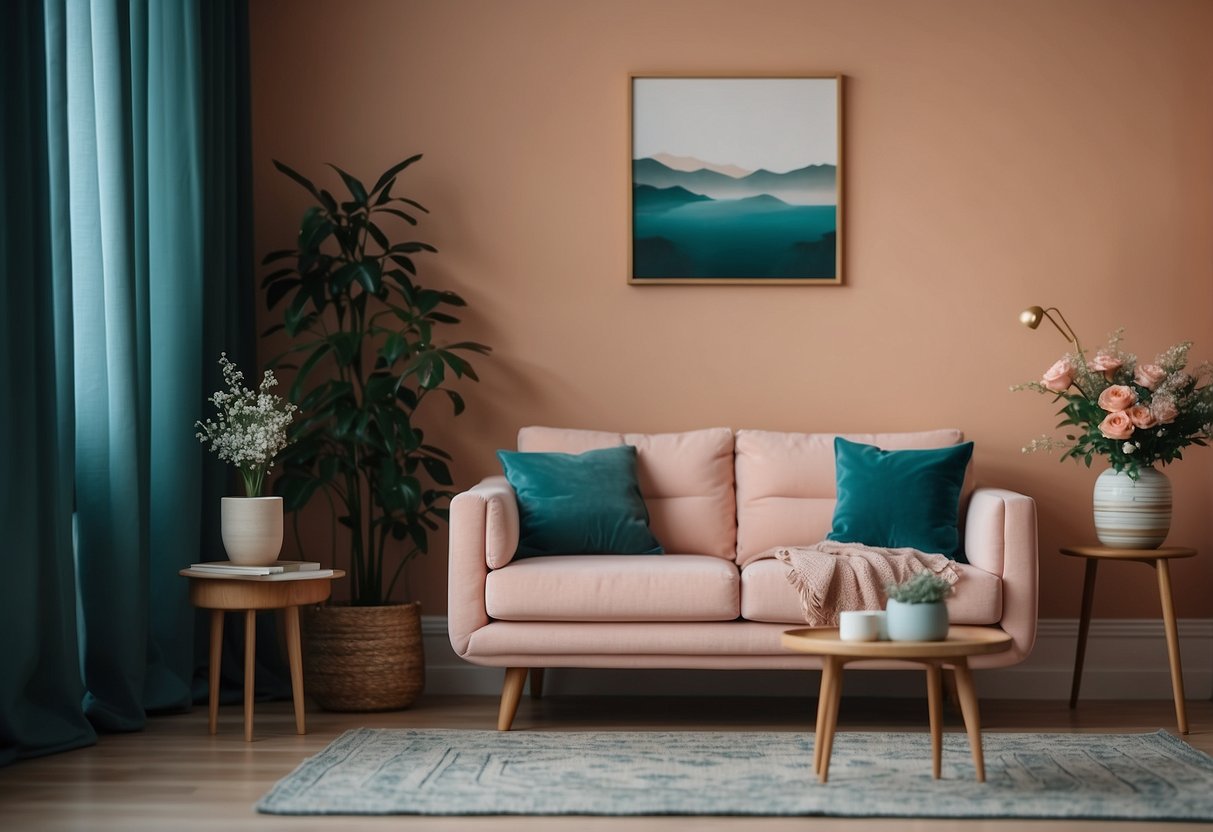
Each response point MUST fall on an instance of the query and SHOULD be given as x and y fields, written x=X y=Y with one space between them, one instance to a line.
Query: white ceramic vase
x=252 y=529
x=1132 y=515
x=917 y=622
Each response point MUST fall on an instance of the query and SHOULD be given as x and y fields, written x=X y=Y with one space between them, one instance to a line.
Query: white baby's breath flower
x=1128 y=447
x=251 y=427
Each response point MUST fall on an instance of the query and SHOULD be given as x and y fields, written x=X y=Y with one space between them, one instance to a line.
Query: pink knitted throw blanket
x=832 y=577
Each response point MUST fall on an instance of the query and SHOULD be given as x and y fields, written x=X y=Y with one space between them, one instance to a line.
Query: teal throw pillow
x=579 y=503
x=900 y=498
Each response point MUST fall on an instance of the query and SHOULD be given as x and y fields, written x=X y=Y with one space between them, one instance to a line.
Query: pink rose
x=1141 y=417
x=1117 y=397
x=1105 y=363
x=1117 y=425
x=1164 y=410
x=1149 y=376
x=1059 y=377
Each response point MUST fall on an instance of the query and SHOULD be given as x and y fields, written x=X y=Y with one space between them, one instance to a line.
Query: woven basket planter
x=363 y=658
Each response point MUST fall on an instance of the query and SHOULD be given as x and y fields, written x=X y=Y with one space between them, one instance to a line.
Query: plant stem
x=253 y=479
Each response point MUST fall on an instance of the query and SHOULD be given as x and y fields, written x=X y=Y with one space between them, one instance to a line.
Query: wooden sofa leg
x=536 y=682
x=511 y=692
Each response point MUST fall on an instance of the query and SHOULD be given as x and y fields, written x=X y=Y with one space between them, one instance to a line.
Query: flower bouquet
x=1137 y=415
x=250 y=429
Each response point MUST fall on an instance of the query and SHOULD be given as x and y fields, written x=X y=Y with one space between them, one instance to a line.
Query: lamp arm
x=1068 y=332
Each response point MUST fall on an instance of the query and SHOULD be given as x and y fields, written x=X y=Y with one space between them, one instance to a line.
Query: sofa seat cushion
x=614 y=588
x=686 y=480
x=767 y=596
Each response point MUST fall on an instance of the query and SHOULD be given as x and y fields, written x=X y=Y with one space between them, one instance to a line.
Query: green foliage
x=364 y=332
x=923 y=588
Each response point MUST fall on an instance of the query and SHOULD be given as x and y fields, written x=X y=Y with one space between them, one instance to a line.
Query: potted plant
x=249 y=431
x=364 y=335
x=916 y=611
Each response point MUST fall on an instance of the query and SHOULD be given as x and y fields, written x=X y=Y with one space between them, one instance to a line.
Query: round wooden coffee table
x=953 y=652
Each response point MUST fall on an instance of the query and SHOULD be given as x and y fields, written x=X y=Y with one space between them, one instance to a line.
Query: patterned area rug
x=436 y=772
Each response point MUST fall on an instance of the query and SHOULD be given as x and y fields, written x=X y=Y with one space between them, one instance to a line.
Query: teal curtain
x=127 y=270
x=40 y=684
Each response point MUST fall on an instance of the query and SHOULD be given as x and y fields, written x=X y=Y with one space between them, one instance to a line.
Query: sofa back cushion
x=686 y=480
x=786 y=483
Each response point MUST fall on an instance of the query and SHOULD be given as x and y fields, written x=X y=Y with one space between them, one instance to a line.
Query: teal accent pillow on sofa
x=579 y=503
x=900 y=498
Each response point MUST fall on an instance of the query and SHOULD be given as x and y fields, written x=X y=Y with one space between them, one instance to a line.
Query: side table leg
x=968 y=707
x=1084 y=624
x=832 y=703
x=250 y=652
x=935 y=707
x=295 y=654
x=216 y=655
x=1168 y=620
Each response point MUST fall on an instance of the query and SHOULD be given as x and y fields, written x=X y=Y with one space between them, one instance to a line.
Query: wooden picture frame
x=735 y=179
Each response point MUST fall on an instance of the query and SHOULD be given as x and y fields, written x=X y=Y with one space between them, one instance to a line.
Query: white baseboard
x=1126 y=659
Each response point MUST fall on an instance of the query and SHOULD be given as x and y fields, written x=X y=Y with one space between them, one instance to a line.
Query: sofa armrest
x=483 y=535
x=1000 y=537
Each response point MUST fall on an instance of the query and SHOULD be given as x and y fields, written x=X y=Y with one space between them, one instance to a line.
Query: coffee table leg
x=296 y=659
x=1168 y=620
x=1084 y=624
x=250 y=652
x=216 y=656
x=968 y=707
x=935 y=707
x=832 y=703
x=823 y=698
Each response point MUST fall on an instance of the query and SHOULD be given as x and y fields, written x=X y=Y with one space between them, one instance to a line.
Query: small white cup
x=859 y=625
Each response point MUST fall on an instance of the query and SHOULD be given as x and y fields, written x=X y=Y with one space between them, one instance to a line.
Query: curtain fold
x=128 y=268
x=40 y=685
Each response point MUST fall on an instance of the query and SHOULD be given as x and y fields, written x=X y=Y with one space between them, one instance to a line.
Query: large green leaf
x=299 y=178
x=277 y=274
x=346 y=346
x=438 y=470
x=395 y=169
x=356 y=188
x=412 y=247
x=429 y=369
x=456 y=401
x=458 y=366
x=306 y=367
x=280 y=290
x=396 y=212
x=315 y=229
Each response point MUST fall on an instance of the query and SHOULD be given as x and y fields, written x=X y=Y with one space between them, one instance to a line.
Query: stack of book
x=281 y=570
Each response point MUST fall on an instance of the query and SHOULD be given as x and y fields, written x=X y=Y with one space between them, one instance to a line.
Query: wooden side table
x=1158 y=558
x=223 y=593
x=961 y=643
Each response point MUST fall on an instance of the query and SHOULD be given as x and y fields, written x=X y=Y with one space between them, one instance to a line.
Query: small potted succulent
x=916 y=611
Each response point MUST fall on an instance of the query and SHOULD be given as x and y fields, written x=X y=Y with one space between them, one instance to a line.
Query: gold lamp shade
x=1033 y=315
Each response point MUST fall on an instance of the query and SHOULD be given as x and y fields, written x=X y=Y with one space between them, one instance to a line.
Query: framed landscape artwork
x=736 y=179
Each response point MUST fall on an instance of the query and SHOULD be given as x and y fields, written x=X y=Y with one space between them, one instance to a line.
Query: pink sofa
x=717 y=501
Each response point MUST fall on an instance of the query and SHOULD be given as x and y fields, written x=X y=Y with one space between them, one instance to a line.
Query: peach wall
x=1000 y=154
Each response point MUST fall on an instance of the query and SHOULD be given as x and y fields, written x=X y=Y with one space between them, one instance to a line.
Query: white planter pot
x=1132 y=515
x=917 y=622
x=252 y=529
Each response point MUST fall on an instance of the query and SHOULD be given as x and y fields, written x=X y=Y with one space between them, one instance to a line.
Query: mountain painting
x=736 y=180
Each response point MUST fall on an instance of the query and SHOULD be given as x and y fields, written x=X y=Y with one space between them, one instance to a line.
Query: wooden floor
x=174 y=776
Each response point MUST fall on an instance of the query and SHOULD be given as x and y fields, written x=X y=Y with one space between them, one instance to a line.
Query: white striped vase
x=1132 y=515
